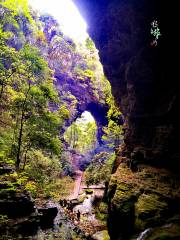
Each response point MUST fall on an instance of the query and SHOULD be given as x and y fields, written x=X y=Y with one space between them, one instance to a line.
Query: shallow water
x=144 y=234
x=85 y=207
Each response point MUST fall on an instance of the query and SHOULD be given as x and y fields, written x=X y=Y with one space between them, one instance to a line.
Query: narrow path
x=88 y=224
x=80 y=186
x=77 y=185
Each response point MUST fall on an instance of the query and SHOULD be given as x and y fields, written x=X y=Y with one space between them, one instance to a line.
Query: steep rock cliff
x=142 y=75
x=145 y=87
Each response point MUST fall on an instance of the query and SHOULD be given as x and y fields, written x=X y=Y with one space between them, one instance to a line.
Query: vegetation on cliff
x=46 y=82
x=45 y=78
x=100 y=168
x=82 y=134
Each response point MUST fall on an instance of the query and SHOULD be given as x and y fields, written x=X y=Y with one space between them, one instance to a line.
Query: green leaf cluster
x=18 y=7
x=113 y=133
x=31 y=113
x=100 y=168
x=82 y=136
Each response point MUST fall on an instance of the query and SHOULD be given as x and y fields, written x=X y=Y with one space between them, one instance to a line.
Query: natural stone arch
x=99 y=113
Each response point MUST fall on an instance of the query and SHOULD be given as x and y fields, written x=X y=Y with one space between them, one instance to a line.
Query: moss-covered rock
x=89 y=191
x=101 y=212
x=102 y=235
x=167 y=232
x=82 y=197
x=123 y=201
x=142 y=199
x=149 y=210
x=103 y=208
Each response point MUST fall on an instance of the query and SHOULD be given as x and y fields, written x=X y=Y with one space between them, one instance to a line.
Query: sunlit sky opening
x=86 y=117
x=67 y=14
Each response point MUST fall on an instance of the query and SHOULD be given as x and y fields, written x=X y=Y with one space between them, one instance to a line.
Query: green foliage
x=113 y=134
x=81 y=63
x=45 y=176
x=81 y=135
x=90 y=44
x=31 y=187
x=31 y=113
x=66 y=161
x=18 y=7
x=13 y=183
x=99 y=170
x=59 y=188
x=27 y=91
x=41 y=168
x=37 y=65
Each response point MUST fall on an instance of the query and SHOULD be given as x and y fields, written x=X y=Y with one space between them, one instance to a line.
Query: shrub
x=41 y=168
x=31 y=187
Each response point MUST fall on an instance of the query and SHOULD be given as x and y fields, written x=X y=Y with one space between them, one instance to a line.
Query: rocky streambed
x=25 y=220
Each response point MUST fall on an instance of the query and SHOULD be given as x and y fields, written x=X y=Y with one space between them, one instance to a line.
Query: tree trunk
x=2 y=89
x=25 y=160
x=18 y=158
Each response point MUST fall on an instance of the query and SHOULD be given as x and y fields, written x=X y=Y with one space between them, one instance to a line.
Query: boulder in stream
x=102 y=235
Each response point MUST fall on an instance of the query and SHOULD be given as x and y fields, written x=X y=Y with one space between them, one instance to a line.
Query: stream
x=66 y=228
x=63 y=228
x=143 y=235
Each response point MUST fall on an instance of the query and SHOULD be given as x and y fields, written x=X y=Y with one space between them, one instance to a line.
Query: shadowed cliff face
x=145 y=87
x=141 y=75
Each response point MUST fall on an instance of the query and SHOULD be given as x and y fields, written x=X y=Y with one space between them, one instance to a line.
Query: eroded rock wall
x=144 y=83
x=142 y=76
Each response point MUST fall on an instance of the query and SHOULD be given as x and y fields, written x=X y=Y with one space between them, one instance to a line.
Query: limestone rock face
x=47 y=217
x=139 y=200
x=144 y=83
x=142 y=76
x=17 y=211
x=14 y=204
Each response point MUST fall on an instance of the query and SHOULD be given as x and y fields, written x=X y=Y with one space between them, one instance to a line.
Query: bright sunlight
x=86 y=117
x=66 y=13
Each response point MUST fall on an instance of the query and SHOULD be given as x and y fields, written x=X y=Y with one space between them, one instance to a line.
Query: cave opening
x=81 y=135
x=116 y=169
x=73 y=84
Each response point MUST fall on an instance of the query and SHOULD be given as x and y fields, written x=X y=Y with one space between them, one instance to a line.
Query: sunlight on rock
x=86 y=117
x=66 y=13
x=82 y=157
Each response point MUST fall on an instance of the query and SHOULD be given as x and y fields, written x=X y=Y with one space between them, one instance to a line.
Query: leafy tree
x=18 y=7
x=100 y=168
x=113 y=133
x=41 y=168
x=31 y=102
x=32 y=112
x=81 y=135
x=27 y=95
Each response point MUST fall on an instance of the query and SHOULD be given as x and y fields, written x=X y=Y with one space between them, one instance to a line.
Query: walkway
x=80 y=187
x=77 y=185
